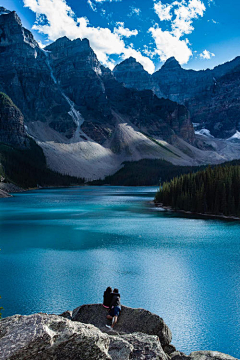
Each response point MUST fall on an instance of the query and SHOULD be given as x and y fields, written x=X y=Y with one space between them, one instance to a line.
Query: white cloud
x=185 y=14
x=168 y=45
x=181 y=15
x=163 y=11
x=102 y=1
x=211 y=2
x=61 y=21
x=206 y=55
x=122 y=31
x=134 y=11
x=92 y=5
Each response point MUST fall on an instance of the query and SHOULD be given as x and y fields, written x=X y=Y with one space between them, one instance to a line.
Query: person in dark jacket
x=115 y=308
x=107 y=297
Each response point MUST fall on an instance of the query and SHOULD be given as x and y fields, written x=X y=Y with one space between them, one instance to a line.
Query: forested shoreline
x=214 y=190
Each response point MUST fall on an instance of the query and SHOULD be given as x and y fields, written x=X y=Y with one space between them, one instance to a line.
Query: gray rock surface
x=130 y=321
x=210 y=355
x=201 y=355
x=50 y=337
x=10 y=188
x=120 y=349
x=145 y=346
x=4 y=194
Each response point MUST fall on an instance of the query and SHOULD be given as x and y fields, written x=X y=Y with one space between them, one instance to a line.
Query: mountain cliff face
x=12 y=129
x=156 y=117
x=26 y=78
x=132 y=75
x=210 y=95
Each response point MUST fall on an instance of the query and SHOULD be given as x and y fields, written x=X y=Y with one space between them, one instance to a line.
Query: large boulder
x=53 y=337
x=210 y=355
x=201 y=355
x=137 y=346
x=130 y=321
x=48 y=337
x=145 y=346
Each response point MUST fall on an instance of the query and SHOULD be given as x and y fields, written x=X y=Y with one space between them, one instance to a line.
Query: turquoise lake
x=61 y=248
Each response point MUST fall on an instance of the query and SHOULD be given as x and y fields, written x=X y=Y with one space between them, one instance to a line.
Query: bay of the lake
x=61 y=248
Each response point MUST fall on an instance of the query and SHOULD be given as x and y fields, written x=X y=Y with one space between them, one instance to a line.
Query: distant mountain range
x=89 y=120
x=211 y=96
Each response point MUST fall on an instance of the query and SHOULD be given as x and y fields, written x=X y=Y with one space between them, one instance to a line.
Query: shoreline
x=207 y=216
x=11 y=189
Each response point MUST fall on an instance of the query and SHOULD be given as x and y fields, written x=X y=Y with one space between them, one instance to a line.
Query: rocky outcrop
x=52 y=337
x=201 y=355
x=10 y=188
x=210 y=95
x=42 y=336
x=26 y=78
x=132 y=74
x=12 y=131
x=4 y=194
x=130 y=321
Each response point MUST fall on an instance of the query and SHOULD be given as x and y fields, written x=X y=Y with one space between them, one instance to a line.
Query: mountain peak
x=171 y=63
x=130 y=60
x=59 y=43
x=64 y=42
x=129 y=63
x=4 y=11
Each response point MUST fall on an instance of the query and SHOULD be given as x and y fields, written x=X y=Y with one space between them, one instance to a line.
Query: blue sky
x=199 y=33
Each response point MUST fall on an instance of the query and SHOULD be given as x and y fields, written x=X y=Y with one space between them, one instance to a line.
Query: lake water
x=62 y=247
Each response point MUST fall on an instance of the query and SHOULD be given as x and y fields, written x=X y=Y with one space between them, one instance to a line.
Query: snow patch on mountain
x=236 y=136
x=204 y=132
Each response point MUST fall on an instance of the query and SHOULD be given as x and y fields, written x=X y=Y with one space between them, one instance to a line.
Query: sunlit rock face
x=210 y=95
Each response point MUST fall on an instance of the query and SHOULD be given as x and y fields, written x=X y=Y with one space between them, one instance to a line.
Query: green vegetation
x=27 y=168
x=145 y=173
x=6 y=101
x=214 y=190
x=159 y=144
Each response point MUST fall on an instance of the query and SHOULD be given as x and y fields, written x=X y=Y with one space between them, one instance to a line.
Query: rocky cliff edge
x=82 y=334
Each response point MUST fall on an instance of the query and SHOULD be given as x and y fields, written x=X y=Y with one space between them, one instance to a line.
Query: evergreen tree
x=214 y=190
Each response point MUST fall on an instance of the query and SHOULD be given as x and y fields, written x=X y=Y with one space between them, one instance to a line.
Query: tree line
x=214 y=190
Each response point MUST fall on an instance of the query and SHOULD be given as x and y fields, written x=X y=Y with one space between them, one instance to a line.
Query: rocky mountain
x=132 y=74
x=82 y=334
x=12 y=129
x=87 y=122
x=25 y=77
x=210 y=95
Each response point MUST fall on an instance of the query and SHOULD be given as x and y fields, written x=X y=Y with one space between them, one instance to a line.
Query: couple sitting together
x=111 y=301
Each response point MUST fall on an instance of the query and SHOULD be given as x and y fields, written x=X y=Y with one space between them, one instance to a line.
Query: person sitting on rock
x=115 y=308
x=107 y=297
